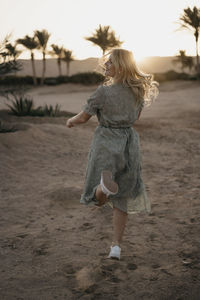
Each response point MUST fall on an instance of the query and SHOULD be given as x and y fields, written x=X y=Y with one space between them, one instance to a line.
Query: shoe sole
x=108 y=182
x=114 y=257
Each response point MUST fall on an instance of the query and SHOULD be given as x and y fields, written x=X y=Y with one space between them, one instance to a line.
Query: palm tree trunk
x=197 y=56
x=196 y=34
x=44 y=68
x=33 y=68
x=59 y=66
x=67 y=64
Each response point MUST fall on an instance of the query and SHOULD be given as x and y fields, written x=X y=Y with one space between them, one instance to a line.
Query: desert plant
x=105 y=38
x=21 y=105
x=31 y=44
x=42 y=38
x=47 y=110
x=50 y=110
x=191 y=20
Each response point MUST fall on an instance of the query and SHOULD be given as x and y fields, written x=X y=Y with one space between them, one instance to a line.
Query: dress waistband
x=114 y=127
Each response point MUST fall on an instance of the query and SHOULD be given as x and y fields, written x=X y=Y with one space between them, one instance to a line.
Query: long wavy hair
x=143 y=86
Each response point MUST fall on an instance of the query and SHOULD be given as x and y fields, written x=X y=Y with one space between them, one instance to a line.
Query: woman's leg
x=119 y=224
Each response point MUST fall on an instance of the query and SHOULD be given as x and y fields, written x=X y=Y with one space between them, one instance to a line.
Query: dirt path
x=54 y=248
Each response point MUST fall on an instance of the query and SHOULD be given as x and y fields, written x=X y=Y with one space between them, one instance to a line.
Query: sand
x=52 y=247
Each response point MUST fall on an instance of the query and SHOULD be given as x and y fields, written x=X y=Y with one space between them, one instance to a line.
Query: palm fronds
x=105 y=38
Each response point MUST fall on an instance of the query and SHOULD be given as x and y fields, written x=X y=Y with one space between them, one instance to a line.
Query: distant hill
x=155 y=64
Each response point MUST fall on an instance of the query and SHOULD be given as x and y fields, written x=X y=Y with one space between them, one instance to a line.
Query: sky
x=147 y=27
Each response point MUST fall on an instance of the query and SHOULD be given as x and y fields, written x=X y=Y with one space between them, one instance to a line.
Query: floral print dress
x=115 y=147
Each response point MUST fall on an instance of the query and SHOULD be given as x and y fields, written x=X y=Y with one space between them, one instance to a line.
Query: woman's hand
x=82 y=117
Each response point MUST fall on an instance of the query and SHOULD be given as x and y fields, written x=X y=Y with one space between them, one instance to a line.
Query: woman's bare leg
x=119 y=224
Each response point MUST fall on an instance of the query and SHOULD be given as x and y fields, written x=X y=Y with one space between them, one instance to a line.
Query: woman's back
x=115 y=106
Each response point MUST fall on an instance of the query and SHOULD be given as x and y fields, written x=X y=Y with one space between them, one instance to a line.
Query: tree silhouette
x=105 y=38
x=42 y=38
x=6 y=68
x=184 y=60
x=12 y=51
x=11 y=65
x=58 y=52
x=31 y=44
x=191 y=20
x=67 y=57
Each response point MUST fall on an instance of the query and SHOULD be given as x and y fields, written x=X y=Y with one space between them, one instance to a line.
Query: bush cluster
x=22 y=105
x=172 y=75
x=86 y=78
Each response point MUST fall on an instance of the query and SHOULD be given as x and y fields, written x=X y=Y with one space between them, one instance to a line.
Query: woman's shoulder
x=110 y=87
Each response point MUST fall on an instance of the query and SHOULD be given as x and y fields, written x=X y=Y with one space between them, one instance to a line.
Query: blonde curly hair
x=126 y=71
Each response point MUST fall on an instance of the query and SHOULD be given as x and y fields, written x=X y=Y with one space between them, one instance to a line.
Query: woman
x=114 y=170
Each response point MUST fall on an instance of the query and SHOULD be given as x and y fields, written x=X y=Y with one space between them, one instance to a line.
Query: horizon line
x=93 y=57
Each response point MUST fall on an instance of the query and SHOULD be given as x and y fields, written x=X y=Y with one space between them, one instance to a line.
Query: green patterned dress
x=115 y=147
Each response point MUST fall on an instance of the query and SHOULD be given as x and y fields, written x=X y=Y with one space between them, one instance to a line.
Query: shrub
x=83 y=78
x=47 y=111
x=21 y=106
x=171 y=75
x=51 y=81
x=17 y=80
x=87 y=78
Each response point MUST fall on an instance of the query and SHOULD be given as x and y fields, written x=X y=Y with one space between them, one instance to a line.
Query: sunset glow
x=148 y=28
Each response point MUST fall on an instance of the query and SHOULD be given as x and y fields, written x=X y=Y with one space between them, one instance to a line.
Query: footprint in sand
x=86 y=226
x=42 y=250
x=69 y=269
x=68 y=197
x=131 y=266
x=87 y=277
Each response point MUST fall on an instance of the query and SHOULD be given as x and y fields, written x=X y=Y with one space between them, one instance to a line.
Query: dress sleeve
x=95 y=102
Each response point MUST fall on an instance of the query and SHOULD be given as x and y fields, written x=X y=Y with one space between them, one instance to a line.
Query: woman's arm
x=82 y=117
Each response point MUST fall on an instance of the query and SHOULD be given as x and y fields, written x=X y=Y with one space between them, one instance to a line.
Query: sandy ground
x=54 y=248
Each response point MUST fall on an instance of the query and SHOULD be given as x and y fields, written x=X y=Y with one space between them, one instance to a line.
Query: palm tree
x=12 y=51
x=42 y=39
x=184 y=60
x=58 y=52
x=191 y=21
x=31 y=44
x=5 y=69
x=9 y=66
x=68 y=57
x=3 y=52
x=105 y=38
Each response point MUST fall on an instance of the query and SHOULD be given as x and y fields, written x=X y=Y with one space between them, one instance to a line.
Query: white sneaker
x=115 y=252
x=108 y=186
